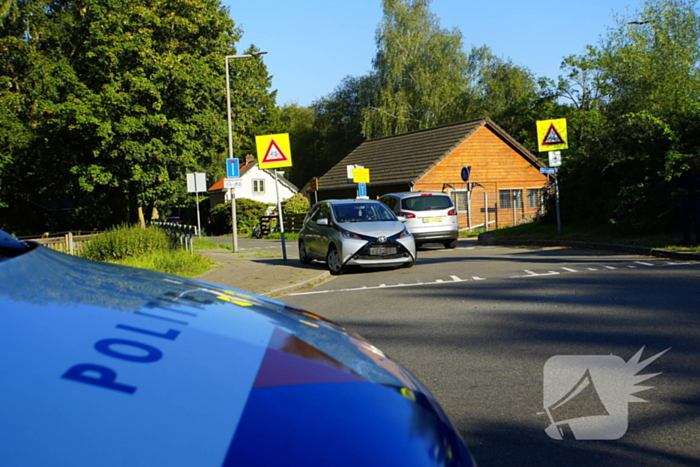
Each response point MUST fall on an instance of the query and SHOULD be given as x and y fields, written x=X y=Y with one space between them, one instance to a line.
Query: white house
x=257 y=184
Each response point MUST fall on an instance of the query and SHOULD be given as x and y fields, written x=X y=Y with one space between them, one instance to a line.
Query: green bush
x=297 y=204
x=247 y=213
x=126 y=241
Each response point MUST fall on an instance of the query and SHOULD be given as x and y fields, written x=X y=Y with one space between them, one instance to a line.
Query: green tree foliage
x=304 y=140
x=420 y=71
x=634 y=117
x=297 y=204
x=322 y=134
x=502 y=91
x=114 y=102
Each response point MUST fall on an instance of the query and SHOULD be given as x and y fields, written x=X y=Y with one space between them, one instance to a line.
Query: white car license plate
x=432 y=219
x=382 y=250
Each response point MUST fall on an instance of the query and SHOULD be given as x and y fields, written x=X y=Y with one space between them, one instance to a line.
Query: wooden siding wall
x=495 y=166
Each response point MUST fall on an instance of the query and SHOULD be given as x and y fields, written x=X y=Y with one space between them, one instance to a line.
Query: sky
x=312 y=45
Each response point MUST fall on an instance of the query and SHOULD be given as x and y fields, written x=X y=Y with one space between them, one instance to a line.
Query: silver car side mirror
x=401 y=218
x=322 y=221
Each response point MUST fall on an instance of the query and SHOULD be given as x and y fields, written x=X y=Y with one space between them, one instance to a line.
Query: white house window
x=510 y=199
x=258 y=186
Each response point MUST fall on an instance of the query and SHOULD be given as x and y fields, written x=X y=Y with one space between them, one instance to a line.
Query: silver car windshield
x=362 y=212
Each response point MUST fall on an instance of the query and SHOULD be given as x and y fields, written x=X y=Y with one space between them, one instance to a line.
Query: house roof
x=219 y=186
x=407 y=157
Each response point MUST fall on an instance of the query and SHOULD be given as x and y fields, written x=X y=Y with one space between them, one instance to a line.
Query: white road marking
x=456 y=279
x=570 y=270
x=534 y=274
x=478 y=278
x=643 y=263
x=592 y=269
x=381 y=286
x=609 y=267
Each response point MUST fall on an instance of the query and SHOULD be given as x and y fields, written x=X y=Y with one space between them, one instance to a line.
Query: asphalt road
x=477 y=325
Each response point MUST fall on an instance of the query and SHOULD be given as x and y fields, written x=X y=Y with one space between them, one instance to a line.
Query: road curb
x=488 y=238
x=298 y=285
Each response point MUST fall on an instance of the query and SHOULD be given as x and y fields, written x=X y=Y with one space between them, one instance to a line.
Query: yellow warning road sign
x=273 y=151
x=551 y=135
x=360 y=175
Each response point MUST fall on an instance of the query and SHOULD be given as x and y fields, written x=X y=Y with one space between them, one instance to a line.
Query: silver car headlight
x=402 y=234
x=348 y=234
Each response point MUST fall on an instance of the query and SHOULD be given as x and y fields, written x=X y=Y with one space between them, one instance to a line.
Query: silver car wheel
x=335 y=266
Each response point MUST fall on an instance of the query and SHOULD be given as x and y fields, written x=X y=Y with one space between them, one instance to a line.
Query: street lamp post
x=234 y=227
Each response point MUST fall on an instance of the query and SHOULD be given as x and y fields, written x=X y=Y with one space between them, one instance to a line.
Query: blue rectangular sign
x=361 y=189
x=548 y=171
x=232 y=168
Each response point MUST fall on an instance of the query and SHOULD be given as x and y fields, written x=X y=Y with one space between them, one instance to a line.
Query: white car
x=430 y=216
x=353 y=232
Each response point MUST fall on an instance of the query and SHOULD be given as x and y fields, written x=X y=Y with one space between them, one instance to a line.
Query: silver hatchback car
x=355 y=233
x=431 y=216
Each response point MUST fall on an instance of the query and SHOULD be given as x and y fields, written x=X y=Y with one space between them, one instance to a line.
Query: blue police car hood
x=110 y=365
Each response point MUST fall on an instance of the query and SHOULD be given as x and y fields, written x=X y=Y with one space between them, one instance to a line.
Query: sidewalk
x=258 y=267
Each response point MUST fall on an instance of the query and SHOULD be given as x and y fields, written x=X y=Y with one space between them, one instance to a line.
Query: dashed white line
x=534 y=274
x=643 y=263
x=570 y=270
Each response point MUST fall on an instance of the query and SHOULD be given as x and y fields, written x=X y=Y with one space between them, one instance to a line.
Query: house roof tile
x=407 y=157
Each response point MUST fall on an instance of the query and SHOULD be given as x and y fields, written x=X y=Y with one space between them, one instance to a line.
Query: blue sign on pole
x=361 y=189
x=465 y=173
x=232 y=168
x=548 y=170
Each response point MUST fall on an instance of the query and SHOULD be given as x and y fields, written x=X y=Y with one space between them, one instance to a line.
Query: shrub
x=247 y=213
x=126 y=241
x=297 y=204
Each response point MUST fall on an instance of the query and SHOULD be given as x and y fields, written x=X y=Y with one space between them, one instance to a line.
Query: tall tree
x=122 y=99
x=419 y=69
x=499 y=89
x=636 y=96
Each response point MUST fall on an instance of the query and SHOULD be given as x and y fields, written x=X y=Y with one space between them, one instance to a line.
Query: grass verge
x=178 y=262
x=606 y=235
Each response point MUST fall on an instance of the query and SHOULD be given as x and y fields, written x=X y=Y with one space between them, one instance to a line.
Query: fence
x=184 y=234
x=74 y=243
x=268 y=224
x=64 y=242
x=493 y=205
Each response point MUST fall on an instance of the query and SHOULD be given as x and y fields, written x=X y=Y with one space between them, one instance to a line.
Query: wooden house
x=504 y=187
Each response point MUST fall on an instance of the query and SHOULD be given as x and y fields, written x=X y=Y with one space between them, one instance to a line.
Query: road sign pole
x=279 y=213
x=234 y=223
x=556 y=192
x=196 y=195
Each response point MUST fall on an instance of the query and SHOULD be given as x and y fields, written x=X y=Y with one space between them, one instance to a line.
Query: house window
x=460 y=198
x=510 y=199
x=534 y=198
x=258 y=186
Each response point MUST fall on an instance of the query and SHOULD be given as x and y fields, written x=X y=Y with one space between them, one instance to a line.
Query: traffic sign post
x=552 y=137
x=232 y=168
x=274 y=151
x=362 y=190
x=313 y=187
x=197 y=182
x=232 y=182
